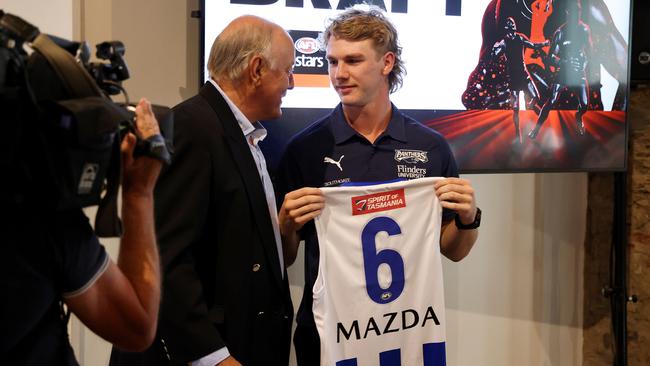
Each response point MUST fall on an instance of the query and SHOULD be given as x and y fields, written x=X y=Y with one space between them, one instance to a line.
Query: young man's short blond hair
x=356 y=24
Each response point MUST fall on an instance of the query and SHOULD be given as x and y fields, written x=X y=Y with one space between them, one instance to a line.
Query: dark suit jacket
x=222 y=281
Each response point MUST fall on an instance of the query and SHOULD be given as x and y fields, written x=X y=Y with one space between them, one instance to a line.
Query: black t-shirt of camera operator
x=45 y=258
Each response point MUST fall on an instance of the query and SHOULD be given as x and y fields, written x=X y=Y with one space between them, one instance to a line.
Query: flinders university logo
x=411 y=156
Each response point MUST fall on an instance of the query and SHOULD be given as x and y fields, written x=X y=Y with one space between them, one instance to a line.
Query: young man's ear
x=389 y=63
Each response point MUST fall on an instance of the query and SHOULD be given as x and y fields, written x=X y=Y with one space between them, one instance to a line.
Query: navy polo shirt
x=329 y=153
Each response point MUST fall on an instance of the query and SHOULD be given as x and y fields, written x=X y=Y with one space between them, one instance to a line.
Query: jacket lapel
x=248 y=170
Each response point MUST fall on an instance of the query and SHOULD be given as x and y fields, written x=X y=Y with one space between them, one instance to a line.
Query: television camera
x=63 y=129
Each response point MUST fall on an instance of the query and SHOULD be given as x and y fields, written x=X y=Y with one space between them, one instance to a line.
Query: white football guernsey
x=378 y=297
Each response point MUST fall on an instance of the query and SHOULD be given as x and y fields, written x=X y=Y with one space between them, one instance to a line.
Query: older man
x=225 y=291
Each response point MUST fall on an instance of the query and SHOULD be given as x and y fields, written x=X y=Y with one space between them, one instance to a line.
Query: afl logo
x=307 y=45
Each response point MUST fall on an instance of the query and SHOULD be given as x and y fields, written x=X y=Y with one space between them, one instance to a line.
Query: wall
x=59 y=17
x=639 y=225
x=161 y=44
x=598 y=339
x=598 y=346
x=516 y=300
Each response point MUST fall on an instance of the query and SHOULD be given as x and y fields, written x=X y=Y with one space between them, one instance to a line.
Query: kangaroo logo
x=332 y=161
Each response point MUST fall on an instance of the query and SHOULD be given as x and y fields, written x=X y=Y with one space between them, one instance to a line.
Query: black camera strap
x=107 y=223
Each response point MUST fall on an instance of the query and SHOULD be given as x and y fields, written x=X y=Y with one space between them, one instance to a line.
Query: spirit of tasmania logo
x=377 y=202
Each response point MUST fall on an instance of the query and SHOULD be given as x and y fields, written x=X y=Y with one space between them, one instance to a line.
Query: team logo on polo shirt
x=411 y=156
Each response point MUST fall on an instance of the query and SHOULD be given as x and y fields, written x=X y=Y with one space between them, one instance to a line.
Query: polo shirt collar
x=343 y=132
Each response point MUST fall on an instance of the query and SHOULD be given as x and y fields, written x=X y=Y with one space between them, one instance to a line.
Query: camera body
x=65 y=130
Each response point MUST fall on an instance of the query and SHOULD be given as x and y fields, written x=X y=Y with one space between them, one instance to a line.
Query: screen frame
x=277 y=150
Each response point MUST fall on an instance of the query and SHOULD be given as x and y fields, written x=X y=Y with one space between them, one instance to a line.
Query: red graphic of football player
x=609 y=50
x=512 y=45
x=568 y=58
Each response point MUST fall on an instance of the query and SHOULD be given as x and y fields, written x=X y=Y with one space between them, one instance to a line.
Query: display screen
x=513 y=85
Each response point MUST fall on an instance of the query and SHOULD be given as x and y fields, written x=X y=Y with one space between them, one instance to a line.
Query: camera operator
x=51 y=258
